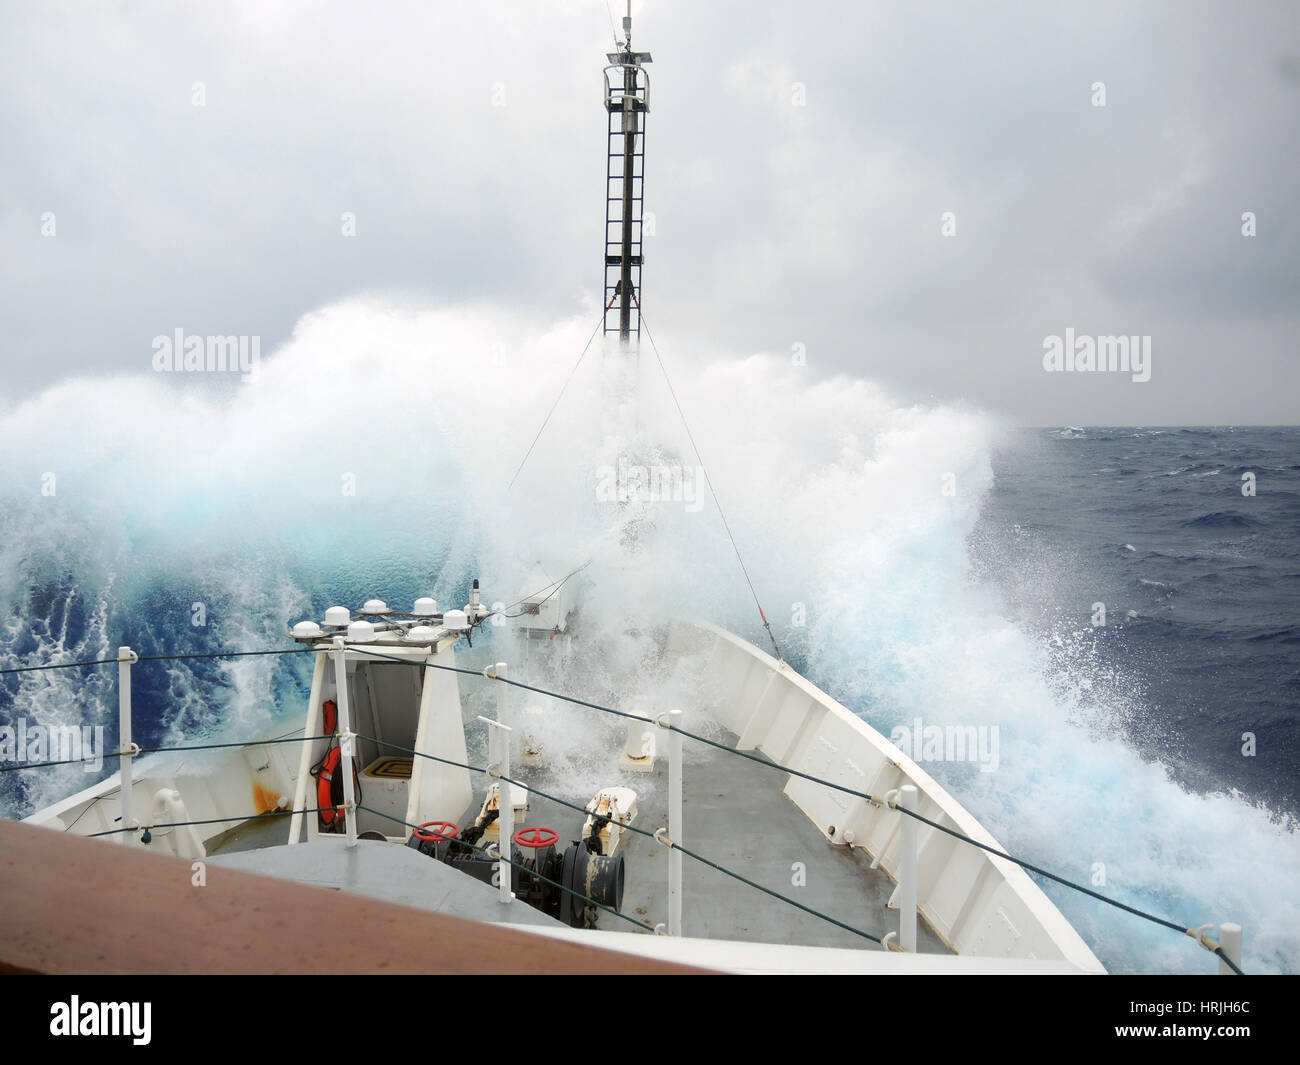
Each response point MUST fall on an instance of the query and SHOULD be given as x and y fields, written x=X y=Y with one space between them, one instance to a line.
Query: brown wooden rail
x=83 y=906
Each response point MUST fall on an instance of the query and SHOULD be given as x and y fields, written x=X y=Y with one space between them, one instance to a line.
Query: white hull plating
x=977 y=903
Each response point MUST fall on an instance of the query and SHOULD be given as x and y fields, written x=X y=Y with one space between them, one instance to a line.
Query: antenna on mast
x=627 y=101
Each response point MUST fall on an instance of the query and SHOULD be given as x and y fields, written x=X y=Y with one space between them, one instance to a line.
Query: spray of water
x=371 y=456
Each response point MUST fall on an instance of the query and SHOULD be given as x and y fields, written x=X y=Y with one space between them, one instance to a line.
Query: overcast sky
x=776 y=224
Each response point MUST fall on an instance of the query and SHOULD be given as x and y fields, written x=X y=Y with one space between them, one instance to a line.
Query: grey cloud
x=775 y=224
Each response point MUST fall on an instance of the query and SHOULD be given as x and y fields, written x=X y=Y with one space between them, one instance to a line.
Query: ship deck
x=735 y=814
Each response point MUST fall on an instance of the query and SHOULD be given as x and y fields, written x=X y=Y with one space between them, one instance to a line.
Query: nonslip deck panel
x=735 y=814
x=72 y=905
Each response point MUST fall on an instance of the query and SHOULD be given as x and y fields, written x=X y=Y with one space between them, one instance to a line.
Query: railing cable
x=878 y=801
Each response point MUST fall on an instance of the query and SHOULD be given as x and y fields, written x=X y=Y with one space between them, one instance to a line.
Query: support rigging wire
x=708 y=480
x=563 y=388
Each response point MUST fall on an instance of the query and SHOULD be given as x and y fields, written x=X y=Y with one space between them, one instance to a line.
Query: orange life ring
x=325 y=787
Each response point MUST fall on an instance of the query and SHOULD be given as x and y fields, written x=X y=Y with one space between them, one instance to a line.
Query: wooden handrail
x=74 y=905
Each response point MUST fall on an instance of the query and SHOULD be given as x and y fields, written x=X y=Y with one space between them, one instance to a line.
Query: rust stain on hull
x=264 y=801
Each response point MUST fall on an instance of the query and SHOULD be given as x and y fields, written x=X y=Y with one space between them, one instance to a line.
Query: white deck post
x=126 y=748
x=499 y=759
x=314 y=723
x=505 y=792
x=506 y=817
x=503 y=693
x=346 y=739
x=907 y=871
x=1230 y=944
x=675 y=828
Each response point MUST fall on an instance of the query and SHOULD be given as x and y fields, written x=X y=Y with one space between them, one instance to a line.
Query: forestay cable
x=563 y=389
x=707 y=480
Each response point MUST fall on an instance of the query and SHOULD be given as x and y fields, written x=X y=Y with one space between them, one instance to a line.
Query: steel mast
x=627 y=101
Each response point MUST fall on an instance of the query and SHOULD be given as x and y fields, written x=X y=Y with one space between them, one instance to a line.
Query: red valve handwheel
x=537 y=837
x=442 y=831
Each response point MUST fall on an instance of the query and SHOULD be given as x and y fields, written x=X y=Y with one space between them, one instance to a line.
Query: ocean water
x=1191 y=539
x=916 y=563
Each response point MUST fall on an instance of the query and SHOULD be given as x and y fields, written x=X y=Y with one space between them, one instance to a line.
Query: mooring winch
x=569 y=885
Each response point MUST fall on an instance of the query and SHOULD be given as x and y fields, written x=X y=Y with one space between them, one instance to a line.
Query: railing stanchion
x=126 y=748
x=675 y=828
x=505 y=792
x=346 y=740
x=907 y=871
x=312 y=728
x=499 y=759
x=1230 y=944
x=503 y=694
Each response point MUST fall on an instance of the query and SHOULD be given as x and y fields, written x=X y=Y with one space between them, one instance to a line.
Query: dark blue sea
x=1190 y=537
